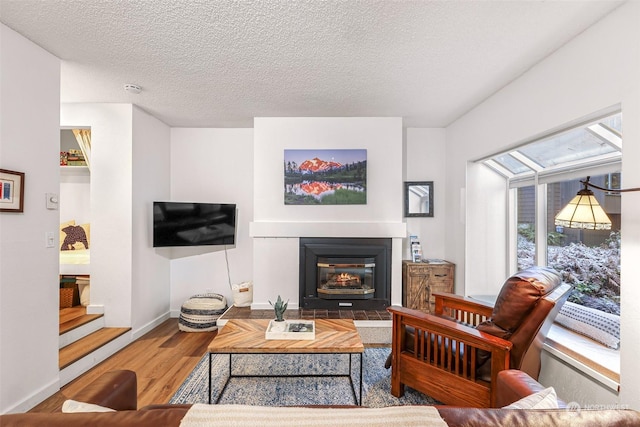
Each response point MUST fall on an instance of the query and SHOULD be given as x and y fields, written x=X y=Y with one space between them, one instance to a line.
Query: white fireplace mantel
x=275 y=229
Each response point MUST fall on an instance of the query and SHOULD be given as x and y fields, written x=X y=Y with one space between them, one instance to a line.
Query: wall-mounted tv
x=193 y=224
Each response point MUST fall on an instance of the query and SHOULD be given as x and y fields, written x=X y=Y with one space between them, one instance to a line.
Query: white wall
x=277 y=227
x=425 y=153
x=381 y=137
x=75 y=190
x=581 y=388
x=150 y=279
x=29 y=143
x=129 y=164
x=216 y=166
x=485 y=219
x=598 y=69
x=111 y=204
x=75 y=196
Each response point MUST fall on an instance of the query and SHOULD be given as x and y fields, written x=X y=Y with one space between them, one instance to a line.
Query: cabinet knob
x=441 y=275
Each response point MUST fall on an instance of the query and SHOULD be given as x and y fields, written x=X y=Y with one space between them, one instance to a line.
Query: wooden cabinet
x=421 y=279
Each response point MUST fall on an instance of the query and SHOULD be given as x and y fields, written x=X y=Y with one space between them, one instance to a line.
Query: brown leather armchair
x=455 y=354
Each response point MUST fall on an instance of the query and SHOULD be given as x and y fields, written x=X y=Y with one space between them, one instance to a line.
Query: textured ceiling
x=220 y=63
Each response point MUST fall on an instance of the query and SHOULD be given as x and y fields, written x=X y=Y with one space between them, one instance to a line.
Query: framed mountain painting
x=325 y=177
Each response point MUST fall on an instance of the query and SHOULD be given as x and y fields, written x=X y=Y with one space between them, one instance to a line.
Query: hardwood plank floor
x=162 y=360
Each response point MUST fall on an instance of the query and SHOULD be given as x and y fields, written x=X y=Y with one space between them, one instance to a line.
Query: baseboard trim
x=150 y=326
x=35 y=398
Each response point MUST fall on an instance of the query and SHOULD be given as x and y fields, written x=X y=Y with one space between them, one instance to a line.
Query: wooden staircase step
x=70 y=313
x=75 y=322
x=84 y=346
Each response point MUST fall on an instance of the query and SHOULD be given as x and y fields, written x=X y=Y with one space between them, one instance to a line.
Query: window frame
x=539 y=178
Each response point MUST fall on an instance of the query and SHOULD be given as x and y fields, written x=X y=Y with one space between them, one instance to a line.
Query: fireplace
x=345 y=273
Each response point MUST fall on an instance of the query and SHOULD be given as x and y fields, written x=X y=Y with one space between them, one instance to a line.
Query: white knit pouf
x=200 y=312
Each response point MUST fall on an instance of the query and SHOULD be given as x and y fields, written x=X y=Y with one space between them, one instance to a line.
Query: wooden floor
x=162 y=360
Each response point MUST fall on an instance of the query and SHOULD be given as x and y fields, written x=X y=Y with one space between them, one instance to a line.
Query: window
x=588 y=259
x=586 y=146
x=543 y=175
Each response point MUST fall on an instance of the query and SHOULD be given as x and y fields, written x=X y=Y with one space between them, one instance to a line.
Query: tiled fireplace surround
x=277 y=243
x=277 y=255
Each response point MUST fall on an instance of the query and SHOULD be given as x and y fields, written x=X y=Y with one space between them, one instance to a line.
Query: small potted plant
x=279 y=307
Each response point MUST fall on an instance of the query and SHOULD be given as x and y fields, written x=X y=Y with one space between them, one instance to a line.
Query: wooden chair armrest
x=463 y=309
x=403 y=317
x=459 y=299
x=466 y=303
x=406 y=311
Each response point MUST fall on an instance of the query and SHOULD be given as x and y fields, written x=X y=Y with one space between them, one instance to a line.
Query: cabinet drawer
x=419 y=271
x=441 y=272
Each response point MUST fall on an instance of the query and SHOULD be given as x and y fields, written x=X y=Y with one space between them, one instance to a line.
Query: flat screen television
x=193 y=224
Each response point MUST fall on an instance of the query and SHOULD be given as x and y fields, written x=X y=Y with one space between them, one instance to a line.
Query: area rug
x=278 y=390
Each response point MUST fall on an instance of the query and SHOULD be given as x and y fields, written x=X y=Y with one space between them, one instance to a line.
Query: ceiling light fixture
x=133 y=88
x=584 y=211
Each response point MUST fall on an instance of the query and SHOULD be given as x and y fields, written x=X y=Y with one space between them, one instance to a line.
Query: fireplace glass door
x=345 y=273
x=341 y=278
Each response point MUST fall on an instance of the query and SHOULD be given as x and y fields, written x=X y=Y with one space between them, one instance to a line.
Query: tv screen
x=193 y=224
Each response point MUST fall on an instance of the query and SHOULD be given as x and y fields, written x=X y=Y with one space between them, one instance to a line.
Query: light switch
x=52 y=201
x=49 y=238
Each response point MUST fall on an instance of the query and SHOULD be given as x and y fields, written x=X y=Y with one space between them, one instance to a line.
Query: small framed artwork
x=11 y=191
x=418 y=199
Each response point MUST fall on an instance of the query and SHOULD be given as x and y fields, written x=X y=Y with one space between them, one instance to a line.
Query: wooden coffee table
x=246 y=336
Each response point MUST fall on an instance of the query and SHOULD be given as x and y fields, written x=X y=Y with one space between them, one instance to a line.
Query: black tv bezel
x=158 y=243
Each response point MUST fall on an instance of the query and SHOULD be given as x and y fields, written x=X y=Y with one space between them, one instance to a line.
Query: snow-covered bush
x=593 y=271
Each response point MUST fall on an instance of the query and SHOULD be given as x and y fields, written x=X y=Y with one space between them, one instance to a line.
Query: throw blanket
x=201 y=415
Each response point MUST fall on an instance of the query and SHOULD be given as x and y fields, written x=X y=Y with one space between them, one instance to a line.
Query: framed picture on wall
x=325 y=177
x=418 y=199
x=11 y=191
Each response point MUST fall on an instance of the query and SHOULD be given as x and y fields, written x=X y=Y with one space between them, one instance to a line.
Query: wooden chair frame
x=441 y=360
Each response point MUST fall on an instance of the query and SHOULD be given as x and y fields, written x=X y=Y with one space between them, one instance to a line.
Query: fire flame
x=346 y=277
